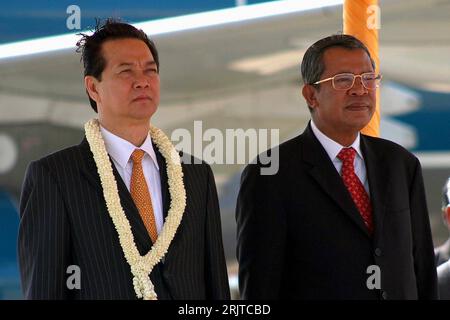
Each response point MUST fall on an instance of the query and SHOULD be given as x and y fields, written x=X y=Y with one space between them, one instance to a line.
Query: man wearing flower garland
x=120 y=209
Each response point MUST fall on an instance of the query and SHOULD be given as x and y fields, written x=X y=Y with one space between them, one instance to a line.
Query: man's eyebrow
x=125 y=64
x=129 y=64
x=368 y=71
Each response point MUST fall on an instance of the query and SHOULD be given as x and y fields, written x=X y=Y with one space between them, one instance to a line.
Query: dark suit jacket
x=442 y=253
x=64 y=221
x=300 y=235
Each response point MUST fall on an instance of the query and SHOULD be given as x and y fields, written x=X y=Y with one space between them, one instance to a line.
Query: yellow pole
x=362 y=20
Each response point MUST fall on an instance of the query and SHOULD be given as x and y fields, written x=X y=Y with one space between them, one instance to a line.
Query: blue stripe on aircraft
x=432 y=121
x=9 y=274
x=27 y=19
x=8 y=228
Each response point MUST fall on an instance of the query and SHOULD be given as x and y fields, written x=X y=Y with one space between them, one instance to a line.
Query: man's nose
x=358 y=87
x=141 y=81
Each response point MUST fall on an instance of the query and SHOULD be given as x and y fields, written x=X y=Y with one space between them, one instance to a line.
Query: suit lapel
x=325 y=174
x=88 y=166
x=379 y=183
x=165 y=196
x=89 y=170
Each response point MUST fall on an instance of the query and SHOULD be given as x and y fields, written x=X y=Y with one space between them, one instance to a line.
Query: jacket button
x=384 y=295
x=378 y=252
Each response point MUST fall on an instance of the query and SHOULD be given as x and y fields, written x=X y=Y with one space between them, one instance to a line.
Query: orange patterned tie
x=141 y=195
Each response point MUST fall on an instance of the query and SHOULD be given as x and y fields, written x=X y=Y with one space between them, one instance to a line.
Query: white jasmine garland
x=141 y=266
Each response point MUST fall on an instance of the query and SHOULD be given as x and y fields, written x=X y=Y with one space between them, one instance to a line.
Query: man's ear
x=309 y=93
x=447 y=215
x=91 y=84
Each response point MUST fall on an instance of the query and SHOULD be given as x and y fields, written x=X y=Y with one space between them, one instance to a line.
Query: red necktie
x=355 y=187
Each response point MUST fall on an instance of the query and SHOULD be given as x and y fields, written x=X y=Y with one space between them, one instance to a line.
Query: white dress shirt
x=120 y=151
x=333 y=148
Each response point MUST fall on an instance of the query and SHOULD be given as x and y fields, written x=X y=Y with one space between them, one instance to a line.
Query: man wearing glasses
x=345 y=216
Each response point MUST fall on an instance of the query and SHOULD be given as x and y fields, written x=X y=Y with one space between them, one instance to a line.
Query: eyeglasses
x=345 y=81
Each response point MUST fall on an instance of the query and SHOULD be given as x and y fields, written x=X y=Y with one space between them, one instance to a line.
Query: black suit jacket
x=300 y=236
x=64 y=221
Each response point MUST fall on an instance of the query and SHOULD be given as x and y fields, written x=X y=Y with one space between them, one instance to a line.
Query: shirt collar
x=120 y=149
x=332 y=147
